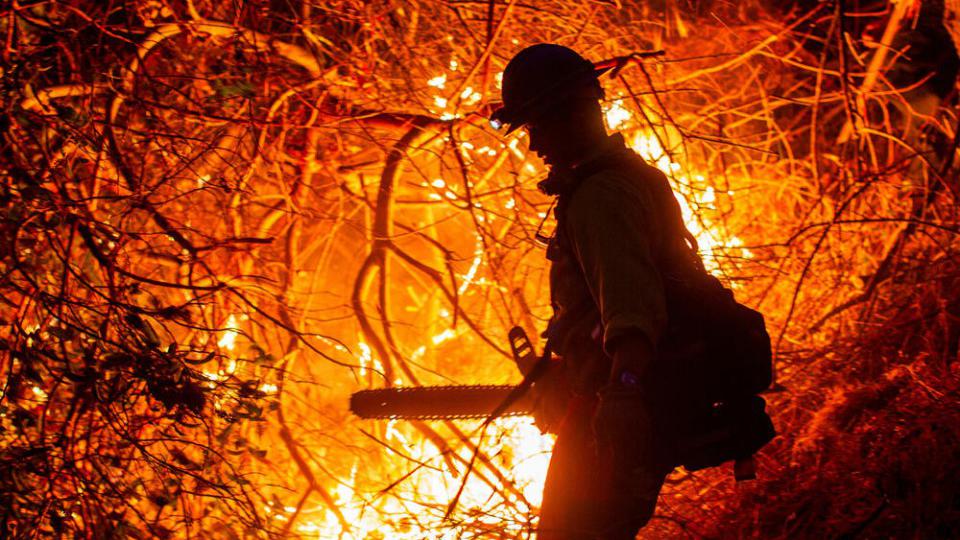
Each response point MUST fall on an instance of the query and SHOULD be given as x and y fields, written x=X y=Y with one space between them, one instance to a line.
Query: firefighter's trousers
x=587 y=494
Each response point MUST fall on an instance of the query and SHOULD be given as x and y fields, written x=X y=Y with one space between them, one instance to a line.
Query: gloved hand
x=551 y=397
x=621 y=423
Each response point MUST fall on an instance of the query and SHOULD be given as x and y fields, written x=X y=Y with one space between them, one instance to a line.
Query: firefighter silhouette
x=609 y=309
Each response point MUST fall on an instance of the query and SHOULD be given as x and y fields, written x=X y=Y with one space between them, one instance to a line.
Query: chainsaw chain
x=439 y=390
x=454 y=387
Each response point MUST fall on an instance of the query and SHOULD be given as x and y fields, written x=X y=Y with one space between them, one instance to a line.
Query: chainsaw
x=458 y=401
x=731 y=435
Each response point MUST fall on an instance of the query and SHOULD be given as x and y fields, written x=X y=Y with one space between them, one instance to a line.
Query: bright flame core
x=523 y=454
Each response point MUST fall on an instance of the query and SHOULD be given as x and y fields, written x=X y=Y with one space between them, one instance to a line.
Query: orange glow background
x=279 y=205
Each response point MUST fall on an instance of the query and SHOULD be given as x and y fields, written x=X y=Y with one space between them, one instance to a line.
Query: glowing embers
x=471 y=274
x=228 y=340
x=367 y=361
x=448 y=106
x=447 y=334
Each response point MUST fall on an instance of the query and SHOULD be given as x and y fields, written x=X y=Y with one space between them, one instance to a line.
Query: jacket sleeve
x=610 y=225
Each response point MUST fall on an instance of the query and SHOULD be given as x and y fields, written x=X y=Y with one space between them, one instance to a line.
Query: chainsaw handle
x=524 y=354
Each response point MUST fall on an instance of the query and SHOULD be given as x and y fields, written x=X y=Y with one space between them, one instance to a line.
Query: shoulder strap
x=669 y=216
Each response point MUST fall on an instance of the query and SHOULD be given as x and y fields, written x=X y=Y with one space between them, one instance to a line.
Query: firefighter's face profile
x=563 y=133
x=553 y=136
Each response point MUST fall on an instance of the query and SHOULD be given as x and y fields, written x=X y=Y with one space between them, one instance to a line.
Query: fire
x=222 y=223
x=522 y=452
x=443 y=336
x=472 y=272
x=616 y=115
x=228 y=340
x=525 y=456
x=531 y=458
x=696 y=196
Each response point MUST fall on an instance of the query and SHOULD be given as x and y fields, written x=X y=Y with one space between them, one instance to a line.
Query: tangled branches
x=218 y=221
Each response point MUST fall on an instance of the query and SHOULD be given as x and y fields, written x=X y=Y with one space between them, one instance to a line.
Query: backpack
x=715 y=357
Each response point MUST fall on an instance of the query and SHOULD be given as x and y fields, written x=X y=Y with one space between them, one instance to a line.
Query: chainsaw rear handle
x=523 y=352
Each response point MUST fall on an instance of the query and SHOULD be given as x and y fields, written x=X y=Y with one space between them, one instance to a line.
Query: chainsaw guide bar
x=438 y=402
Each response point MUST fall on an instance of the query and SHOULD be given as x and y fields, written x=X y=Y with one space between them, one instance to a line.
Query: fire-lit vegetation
x=222 y=218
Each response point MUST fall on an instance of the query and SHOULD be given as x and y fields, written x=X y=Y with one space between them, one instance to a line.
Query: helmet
x=538 y=78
